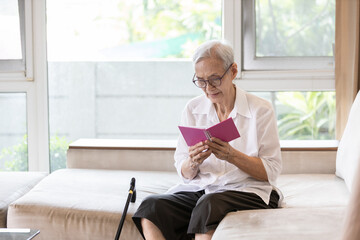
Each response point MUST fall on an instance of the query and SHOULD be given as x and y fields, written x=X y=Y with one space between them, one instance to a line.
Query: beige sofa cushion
x=314 y=209
x=282 y=224
x=313 y=190
x=85 y=204
x=13 y=185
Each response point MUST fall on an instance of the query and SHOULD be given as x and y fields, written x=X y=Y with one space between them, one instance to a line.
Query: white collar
x=241 y=106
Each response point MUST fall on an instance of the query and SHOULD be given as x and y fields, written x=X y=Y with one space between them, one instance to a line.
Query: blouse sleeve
x=182 y=149
x=269 y=144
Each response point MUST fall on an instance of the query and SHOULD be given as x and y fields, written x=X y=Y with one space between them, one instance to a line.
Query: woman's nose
x=209 y=86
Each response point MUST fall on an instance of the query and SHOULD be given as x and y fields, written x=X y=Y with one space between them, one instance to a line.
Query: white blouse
x=256 y=122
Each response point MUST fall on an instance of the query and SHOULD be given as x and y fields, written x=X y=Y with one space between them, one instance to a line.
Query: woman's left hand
x=222 y=150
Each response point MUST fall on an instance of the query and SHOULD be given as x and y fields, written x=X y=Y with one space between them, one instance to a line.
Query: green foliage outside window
x=15 y=158
x=163 y=28
x=58 y=150
x=307 y=115
x=295 y=28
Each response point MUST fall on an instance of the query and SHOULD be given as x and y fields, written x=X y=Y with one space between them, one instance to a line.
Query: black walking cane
x=132 y=198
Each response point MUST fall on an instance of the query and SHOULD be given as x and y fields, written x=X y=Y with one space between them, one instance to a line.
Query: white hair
x=220 y=50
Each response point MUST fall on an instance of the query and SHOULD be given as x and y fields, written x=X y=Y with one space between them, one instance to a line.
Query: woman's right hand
x=197 y=155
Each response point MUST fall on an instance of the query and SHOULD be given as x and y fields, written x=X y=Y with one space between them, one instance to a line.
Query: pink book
x=225 y=131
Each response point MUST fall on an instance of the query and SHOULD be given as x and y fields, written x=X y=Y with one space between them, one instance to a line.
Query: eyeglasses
x=215 y=82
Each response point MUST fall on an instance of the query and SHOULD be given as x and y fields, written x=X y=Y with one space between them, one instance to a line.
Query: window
x=12 y=44
x=23 y=95
x=122 y=69
x=10 y=47
x=13 y=123
x=286 y=35
x=303 y=115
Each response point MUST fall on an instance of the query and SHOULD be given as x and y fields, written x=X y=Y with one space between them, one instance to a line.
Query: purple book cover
x=225 y=131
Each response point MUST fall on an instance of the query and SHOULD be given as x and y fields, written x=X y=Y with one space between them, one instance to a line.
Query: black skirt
x=181 y=215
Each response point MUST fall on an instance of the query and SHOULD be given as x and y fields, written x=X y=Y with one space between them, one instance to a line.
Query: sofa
x=86 y=200
x=84 y=203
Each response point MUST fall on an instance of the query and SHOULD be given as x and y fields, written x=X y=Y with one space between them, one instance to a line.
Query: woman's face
x=210 y=68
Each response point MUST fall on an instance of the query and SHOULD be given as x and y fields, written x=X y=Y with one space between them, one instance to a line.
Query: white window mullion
x=28 y=40
x=237 y=36
x=38 y=96
x=32 y=130
x=228 y=21
x=231 y=20
x=14 y=86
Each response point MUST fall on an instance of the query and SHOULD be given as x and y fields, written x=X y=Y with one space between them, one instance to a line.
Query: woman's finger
x=196 y=146
x=197 y=150
x=214 y=145
x=193 y=147
x=203 y=156
x=220 y=151
x=201 y=149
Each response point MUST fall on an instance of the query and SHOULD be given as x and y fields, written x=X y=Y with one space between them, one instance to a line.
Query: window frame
x=306 y=78
x=32 y=80
x=273 y=63
x=15 y=69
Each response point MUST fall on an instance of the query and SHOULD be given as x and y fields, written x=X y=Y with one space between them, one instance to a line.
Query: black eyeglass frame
x=211 y=81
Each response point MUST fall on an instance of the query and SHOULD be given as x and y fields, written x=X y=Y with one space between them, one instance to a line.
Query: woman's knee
x=213 y=206
x=153 y=202
x=209 y=201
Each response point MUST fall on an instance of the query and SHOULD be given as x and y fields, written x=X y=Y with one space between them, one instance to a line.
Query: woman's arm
x=251 y=165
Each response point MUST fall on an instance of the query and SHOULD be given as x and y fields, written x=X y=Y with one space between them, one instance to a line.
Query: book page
x=192 y=135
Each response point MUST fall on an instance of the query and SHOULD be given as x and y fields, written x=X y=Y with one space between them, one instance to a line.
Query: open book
x=225 y=131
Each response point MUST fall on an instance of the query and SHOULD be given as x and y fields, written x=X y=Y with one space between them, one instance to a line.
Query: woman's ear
x=234 y=70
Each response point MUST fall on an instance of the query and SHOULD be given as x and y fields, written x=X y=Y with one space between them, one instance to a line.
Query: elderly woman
x=218 y=177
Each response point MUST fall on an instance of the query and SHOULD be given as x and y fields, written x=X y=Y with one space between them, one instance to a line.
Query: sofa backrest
x=149 y=155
